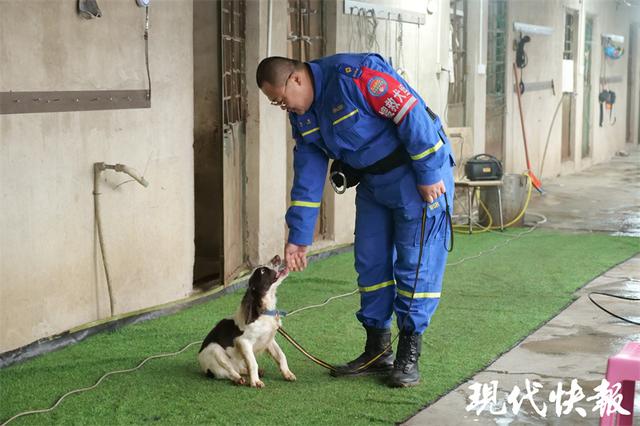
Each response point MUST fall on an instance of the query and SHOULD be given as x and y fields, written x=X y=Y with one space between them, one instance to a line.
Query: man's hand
x=295 y=256
x=429 y=193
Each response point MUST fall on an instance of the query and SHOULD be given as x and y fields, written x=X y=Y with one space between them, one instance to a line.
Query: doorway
x=218 y=148
x=207 y=140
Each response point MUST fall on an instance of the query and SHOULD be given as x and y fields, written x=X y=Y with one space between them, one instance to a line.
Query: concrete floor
x=576 y=343
x=605 y=197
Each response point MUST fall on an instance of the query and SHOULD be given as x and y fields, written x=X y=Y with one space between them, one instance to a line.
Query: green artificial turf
x=489 y=303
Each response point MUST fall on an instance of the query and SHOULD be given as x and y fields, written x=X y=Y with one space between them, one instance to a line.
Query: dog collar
x=274 y=313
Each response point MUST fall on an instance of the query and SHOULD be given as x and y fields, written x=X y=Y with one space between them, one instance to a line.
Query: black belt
x=344 y=176
x=396 y=159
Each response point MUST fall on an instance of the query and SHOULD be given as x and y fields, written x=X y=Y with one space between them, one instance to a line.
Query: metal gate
x=587 y=87
x=568 y=101
x=495 y=104
x=456 y=102
x=306 y=42
x=234 y=111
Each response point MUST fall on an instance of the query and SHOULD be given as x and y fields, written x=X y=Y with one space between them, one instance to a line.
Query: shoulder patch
x=349 y=70
x=377 y=86
x=388 y=97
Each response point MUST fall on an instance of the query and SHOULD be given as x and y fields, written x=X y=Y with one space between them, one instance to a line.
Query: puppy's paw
x=288 y=375
x=239 y=381
x=257 y=384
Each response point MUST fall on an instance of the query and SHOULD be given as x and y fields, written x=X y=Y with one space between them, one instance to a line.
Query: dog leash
x=306 y=353
x=331 y=367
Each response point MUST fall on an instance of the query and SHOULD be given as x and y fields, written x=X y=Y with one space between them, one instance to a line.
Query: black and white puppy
x=229 y=350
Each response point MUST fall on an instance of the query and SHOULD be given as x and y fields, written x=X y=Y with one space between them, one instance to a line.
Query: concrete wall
x=51 y=276
x=545 y=63
x=544 y=55
x=610 y=18
x=425 y=48
x=419 y=56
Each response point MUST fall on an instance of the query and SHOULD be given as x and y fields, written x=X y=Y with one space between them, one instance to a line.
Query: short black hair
x=275 y=69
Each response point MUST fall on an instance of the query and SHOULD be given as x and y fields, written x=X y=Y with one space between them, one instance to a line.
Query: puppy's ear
x=252 y=302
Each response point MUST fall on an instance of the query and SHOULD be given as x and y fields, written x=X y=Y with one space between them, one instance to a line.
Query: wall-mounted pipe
x=98 y=168
x=269 y=25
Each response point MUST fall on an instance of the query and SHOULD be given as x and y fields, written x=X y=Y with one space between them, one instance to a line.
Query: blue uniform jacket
x=362 y=111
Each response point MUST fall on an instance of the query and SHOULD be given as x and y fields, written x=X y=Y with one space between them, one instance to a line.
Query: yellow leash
x=306 y=353
x=325 y=364
x=331 y=367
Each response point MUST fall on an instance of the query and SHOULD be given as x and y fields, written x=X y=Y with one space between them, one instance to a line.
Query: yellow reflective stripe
x=376 y=286
x=305 y=204
x=344 y=117
x=308 y=132
x=419 y=295
x=427 y=152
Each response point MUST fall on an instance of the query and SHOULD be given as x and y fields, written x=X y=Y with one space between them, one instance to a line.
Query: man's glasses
x=282 y=102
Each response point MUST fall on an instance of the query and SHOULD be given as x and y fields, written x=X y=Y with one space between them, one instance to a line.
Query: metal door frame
x=496 y=67
x=233 y=113
x=570 y=51
x=457 y=94
x=587 y=114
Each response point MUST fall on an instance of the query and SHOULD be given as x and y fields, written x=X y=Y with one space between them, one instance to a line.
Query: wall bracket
x=38 y=102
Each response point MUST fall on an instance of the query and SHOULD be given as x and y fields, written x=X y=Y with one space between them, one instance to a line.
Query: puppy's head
x=263 y=284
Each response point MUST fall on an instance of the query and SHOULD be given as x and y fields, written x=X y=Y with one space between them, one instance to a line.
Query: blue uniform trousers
x=387 y=244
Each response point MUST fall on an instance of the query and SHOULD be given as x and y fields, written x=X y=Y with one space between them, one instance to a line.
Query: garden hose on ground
x=459 y=228
x=616 y=296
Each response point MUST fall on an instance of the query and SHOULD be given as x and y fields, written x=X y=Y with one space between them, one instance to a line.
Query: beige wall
x=545 y=63
x=544 y=55
x=609 y=139
x=51 y=276
x=420 y=58
x=420 y=55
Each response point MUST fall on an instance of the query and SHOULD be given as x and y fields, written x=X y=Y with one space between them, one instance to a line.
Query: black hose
x=617 y=297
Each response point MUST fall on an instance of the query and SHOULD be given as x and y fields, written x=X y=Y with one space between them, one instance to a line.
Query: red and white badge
x=386 y=95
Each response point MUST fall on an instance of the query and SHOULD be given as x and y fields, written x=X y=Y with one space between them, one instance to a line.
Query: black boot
x=377 y=340
x=405 y=368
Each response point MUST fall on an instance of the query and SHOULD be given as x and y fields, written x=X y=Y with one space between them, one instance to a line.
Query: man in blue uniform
x=356 y=110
